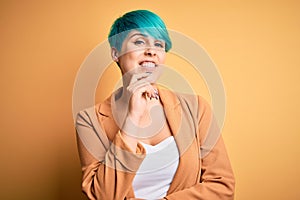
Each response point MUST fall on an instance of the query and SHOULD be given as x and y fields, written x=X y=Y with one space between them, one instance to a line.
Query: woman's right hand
x=140 y=94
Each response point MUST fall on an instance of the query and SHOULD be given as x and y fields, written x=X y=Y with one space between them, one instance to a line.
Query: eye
x=159 y=44
x=139 y=42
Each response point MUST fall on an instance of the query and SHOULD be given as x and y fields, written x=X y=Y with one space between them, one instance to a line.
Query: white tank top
x=157 y=170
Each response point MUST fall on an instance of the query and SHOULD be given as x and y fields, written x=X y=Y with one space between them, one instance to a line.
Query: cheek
x=162 y=57
x=128 y=61
x=134 y=55
x=129 y=57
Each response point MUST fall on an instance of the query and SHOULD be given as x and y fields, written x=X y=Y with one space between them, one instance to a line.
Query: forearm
x=217 y=179
x=111 y=178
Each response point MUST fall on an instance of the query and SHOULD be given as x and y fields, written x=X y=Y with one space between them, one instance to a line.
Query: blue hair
x=140 y=20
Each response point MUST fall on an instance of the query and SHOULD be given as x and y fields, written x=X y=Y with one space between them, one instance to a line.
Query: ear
x=114 y=54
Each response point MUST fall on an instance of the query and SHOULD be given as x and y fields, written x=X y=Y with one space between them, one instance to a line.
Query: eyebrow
x=144 y=35
x=138 y=34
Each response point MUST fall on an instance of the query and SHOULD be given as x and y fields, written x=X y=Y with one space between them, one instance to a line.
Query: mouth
x=152 y=69
x=148 y=64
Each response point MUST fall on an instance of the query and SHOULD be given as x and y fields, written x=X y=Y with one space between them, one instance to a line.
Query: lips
x=148 y=64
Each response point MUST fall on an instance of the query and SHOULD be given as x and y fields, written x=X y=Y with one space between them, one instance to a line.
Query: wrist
x=130 y=141
x=138 y=120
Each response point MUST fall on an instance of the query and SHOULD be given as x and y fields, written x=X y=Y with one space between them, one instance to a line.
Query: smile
x=148 y=64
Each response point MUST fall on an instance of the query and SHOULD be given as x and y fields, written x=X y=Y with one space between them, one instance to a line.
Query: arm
x=108 y=171
x=217 y=179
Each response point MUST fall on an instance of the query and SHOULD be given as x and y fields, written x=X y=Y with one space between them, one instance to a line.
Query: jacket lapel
x=181 y=123
x=173 y=114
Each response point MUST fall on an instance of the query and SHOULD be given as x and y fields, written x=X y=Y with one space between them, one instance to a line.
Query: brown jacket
x=109 y=166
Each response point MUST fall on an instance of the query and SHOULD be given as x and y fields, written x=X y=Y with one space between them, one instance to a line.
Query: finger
x=149 y=91
x=138 y=77
x=137 y=85
x=143 y=88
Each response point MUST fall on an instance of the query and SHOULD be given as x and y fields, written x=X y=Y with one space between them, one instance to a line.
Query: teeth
x=148 y=64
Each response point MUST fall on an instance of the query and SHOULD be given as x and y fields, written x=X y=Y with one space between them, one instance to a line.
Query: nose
x=150 y=51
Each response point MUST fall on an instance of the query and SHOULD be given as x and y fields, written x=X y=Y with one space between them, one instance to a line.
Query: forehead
x=136 y=33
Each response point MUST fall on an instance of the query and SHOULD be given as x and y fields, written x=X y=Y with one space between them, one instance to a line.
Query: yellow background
x=255 y=45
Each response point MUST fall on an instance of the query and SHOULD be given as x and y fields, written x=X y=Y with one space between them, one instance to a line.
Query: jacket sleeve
x=216 y=179
x=108 y=170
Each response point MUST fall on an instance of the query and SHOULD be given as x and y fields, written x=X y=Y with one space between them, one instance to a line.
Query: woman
x=145 y=142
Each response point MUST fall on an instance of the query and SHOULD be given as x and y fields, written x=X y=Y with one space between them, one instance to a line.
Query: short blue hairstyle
x=144 y=21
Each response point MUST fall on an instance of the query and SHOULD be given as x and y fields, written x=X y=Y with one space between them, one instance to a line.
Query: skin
x=139 y=90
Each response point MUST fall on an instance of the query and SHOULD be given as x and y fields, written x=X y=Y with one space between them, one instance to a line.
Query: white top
x=153 y=178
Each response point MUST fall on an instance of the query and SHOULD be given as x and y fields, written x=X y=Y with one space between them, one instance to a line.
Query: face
x=140 y=50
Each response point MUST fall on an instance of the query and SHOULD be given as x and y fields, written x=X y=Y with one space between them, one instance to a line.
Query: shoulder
x=98 y=120
x=91 y=116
